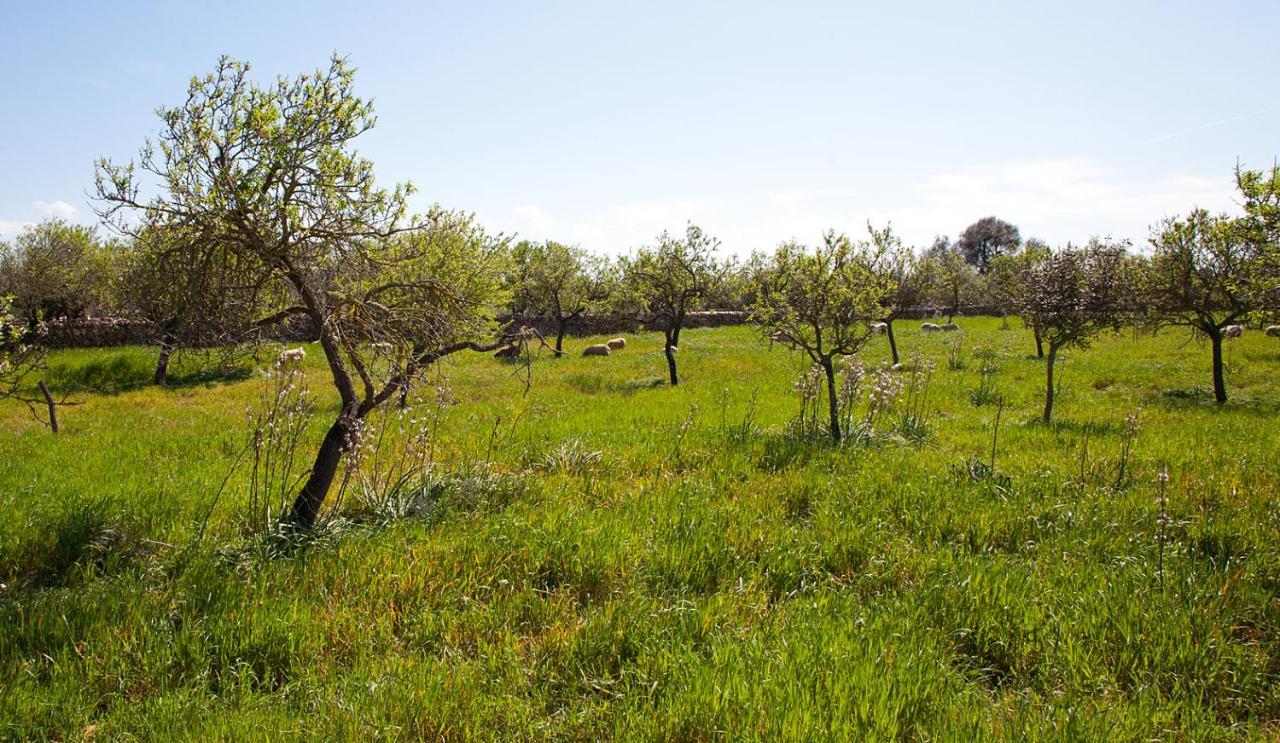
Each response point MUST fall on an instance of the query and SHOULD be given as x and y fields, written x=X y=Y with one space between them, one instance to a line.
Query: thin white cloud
x=59 y=209
x=10 y=227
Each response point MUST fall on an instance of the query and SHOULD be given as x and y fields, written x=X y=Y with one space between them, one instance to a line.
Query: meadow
x=596 y=554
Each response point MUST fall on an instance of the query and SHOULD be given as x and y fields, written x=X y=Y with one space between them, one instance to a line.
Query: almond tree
x=265 y=178
x=1206 y=272
x=821 y=301
x=663 y=284
x=557 y=281
x=905 y=283
x=1072 y=296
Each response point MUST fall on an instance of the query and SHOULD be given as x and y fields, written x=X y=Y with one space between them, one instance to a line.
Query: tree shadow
x=127 y=372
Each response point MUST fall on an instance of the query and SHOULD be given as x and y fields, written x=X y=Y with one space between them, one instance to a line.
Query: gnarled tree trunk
x=306 y=507
x=1219 y=380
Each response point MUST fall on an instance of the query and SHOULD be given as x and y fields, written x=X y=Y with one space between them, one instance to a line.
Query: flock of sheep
x=606 y=348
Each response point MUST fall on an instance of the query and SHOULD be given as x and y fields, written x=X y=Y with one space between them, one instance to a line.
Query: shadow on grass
x=86 y=541
x=125 y=372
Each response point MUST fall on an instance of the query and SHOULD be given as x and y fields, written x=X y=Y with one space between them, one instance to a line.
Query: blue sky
x=604 y=123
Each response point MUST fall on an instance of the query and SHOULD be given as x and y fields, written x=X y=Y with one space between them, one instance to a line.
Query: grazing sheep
x=1273 y=331
x=617 y=343
x=879 y=328
x=507 y=352
x=599 y=349
x=1233 y=331
x=290 y=355
x=949 y=327
x=673 y=349
x=930 y=327
x=381 y=347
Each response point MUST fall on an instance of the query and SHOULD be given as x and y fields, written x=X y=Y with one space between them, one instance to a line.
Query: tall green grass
x=602 y=555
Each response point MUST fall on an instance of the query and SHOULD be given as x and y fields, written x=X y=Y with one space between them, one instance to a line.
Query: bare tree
x=22 y=355
x=267 y=177
x=662 y=285
x=1206 y=272
x=820 y=300
x=1073 y=295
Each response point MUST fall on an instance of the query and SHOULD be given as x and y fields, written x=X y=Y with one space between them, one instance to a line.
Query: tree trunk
x=833 y=403
x=671 y=360
x=1039 y=344
x=893 y=343
x=561 y=326
x=1219 y=382
x=1048 y=390
x=53 y=407
x=162 y=364
x=306 y=507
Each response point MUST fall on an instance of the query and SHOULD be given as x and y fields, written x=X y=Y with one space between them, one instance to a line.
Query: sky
x=604 y=123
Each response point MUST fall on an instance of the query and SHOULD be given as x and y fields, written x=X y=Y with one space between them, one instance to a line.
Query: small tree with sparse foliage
x=1206 y=272
x=1072 y=296
x=560 y=282
x=663 y=284
x=820 y=300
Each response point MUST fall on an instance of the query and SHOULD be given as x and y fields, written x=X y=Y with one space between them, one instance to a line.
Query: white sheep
x=949 y=327
x=291 y=355
x=599 y=349
x=1273 y=331
x=930 y=327
x=381 y=347
x=617 y=343
x=879 y=328
x=1233 y=331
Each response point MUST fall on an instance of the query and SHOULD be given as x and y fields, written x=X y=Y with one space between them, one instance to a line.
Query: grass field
x=605 y=556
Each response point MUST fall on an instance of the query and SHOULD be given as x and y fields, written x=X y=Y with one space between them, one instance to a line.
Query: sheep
x=1233 y=331
x=949 y=327
x=929 y=327
x=507 y=352
x=1273 y=331
x=599 y=349
x=617 y=343
x=879 y=328
x=289 y=355
x=673 y=349
x=381 y=347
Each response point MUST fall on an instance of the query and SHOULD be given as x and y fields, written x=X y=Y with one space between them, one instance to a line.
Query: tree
x=22 y=355
x=55 y=270
x=1206 y=272
x=1008 y=281
x=266 y=178
x=949 y=280
x=1261 y=200
x=985 y=239
x=195 y=293
x=1072 y=296
x=820 y=301
x=662 y=285
x=558 y=281
x=904 y=282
